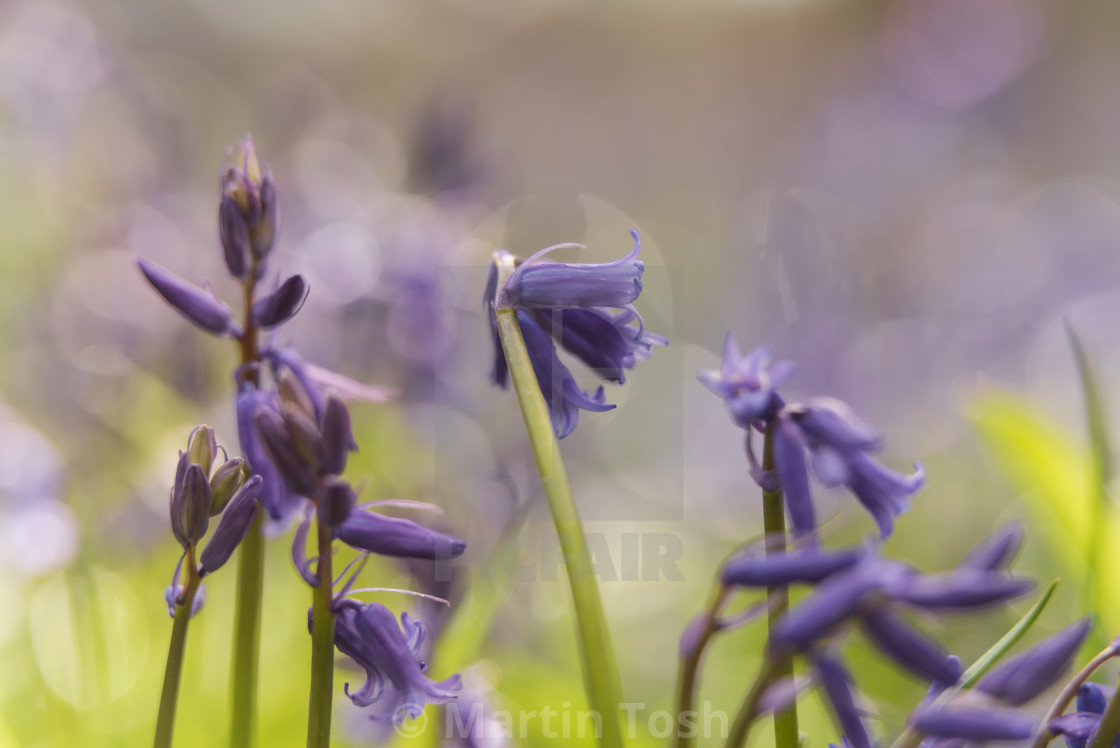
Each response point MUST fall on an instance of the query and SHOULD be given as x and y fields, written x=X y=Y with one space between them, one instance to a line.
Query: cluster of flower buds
x=587 y=308
x=838 y=442
x=1080 y=726
x=247 y=220
x=209 y=484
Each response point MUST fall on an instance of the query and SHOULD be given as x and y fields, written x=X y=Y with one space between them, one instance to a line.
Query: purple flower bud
x=997 y=551
x=555 y=285
x=1026 y=675
x=304 y=435
x=837 y=599
x=371 y=636
x=972 y=723
x=235 y=238
x=499 y=374
x=1093 y=697
x=909 y=648
x=963 y=588
x=838 y=687
x=564 y=397
x=391 y=536
x=199 y=306
x=337 y=436
x=264 y=234
x=234 y=525
x=176 y=506
x=829 y=421
x=224 y=483
x=883 y=493
x=273 y=433
x=282 y=304
x=336 y=503
x=190 y=506
x=202 y=446
x=1077 y=728
x=809 y=565
x=793 y=475
x=277 y=499
x=748 y=383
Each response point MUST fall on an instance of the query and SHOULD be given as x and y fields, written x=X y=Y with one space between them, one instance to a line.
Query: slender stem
x=786 y=734
x=165 y=723
x=322 y=649
x=690 y=663
x=1066 y=696
x=1109 y=726
x=599 y=667
x=250 y=577
x=744 y=718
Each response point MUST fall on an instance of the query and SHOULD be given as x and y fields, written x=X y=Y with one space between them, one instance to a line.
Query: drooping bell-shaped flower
x=586 y=308
x=747 y=384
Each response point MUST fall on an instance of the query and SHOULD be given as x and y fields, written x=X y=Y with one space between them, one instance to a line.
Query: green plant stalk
x=322 y=649
x=169 y=698
x=599 y=667
x=690 y=664
x=786 y=734
x=250 y=577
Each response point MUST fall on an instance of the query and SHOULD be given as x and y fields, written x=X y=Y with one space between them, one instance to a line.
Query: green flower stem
x=690 y=665
x=786 y=734
x=322 y=649
x=250 y=578
x=599 y=667
x=169 y=698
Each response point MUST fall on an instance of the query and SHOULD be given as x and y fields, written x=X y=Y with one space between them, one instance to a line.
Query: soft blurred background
x=906 y=198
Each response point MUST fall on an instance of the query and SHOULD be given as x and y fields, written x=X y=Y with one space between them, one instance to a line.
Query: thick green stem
x=599 y=667
x=250 y=578
x=786 y=734
x=322 y=649
x=690 y=665
x=169 y=698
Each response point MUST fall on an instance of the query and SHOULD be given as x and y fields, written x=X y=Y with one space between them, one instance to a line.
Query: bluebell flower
x=387 y=652
x=997 y=551
x=837 y=684
x=200 y=306
x=748 y=384
x=808 y=565
x=249 y=213
x=587 y=309
x=1019 y=679
x=909 y=648
x=972 y=723
x=1079 y=727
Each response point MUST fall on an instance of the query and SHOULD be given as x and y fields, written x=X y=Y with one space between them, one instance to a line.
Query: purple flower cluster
x=838 y=444
x=587 y=308
x=857 y=589
x=203 y=489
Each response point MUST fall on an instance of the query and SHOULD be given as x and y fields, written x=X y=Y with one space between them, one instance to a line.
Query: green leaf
x=985 y=662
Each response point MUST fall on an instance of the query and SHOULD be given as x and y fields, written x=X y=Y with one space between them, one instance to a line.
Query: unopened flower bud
x=235 y=238
x=273 y=433
x=293 y=395
x=304 y=435
x=336 y=503
x=234 y=525
x=337 y=436
x=250 y=188
x=190 y=506
x=224 y=483
x=201 y=448
x=282 y=304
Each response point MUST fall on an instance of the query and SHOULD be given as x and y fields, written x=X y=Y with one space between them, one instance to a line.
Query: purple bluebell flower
x=1019 y=679
x=393 y=536
x=278 y=500
x=1079 y=727
x=173 y=596
x=234 y=525
x=909 y=648
x=571 y=304
x=282 y=304
x=962 y=588
x=972 y=723
x=748 y=384
x=387 y=651
x=199 y=306
x=837 y=686
x=997 y=551
x=793 y=477
x=557 y=285
x=808 y=565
